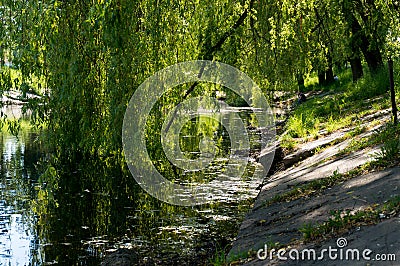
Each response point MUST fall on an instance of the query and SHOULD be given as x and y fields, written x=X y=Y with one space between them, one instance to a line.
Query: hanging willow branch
x=209 y=53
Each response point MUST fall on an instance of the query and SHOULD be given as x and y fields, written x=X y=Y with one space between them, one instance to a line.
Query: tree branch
x=209 y=54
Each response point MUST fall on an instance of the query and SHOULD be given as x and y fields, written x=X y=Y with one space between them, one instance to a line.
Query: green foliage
x=308 y=231
x=242 y=255
x=219 y=258
x=306 y=123
x=340 y=107
x=287 y=142
x=390 y=151
x=86 y=59
x=369 y=86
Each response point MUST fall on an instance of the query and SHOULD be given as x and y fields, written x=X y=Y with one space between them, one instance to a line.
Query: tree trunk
x=300 y=82
x=392 y=93
x=360 y=41
x=356 y=68
x=372 y=56
x=329 y=79
x=321 y=77
x=355 y=61
x=329 y=76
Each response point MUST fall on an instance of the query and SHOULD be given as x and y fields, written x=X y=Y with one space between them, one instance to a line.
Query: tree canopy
x=86 y=58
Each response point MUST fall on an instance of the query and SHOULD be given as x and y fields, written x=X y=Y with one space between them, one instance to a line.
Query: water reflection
x=74 y=213
x=17 y=234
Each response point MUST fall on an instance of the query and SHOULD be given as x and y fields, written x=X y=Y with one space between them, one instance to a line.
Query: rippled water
x=17 y=230
x=78 y=213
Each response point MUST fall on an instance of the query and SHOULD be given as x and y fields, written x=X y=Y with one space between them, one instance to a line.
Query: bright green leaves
x=87 y=58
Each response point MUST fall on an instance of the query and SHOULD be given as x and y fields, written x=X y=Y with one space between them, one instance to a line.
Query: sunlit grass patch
x=344 y=106
x=386 y=136
x=288 y=143
x=332 y=124
x=390 y=151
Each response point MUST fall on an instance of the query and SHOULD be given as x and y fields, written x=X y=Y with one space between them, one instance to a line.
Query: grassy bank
x=337 y=106
x=356 y=108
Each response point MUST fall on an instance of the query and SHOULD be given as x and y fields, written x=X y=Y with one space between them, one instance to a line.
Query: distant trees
x=315 y=35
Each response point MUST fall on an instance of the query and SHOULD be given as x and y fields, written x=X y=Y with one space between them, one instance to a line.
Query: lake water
x=18 y=239
x=76 y=213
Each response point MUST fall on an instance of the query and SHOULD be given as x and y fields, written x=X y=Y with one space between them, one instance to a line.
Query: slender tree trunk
x=300 y=82
x=321 y=77
x=356 y=68
x=329 y=75
x=329 y=79
x=392 y=92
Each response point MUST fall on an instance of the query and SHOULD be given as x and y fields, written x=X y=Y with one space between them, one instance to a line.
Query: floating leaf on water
x=50 y=262
x=220 y=217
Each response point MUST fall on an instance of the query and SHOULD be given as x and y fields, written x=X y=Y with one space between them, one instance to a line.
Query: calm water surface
x=75 y=214
x=18 y=238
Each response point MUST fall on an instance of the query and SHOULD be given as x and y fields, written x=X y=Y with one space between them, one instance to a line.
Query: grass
x=219 y=258
x=344 y=105
x=242 y=256
x=389 y=155
x=388 y=136
x=338 y=223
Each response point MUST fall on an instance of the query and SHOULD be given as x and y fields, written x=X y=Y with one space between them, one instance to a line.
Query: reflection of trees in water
x=18 y=177
x=76 y=210
x=89 y=206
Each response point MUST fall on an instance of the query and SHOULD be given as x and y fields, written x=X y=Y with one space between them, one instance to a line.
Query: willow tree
x=94 y=54
x=86 y=58
x=21 y=46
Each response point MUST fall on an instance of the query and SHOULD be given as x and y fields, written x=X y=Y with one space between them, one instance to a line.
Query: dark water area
x=77 y=213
